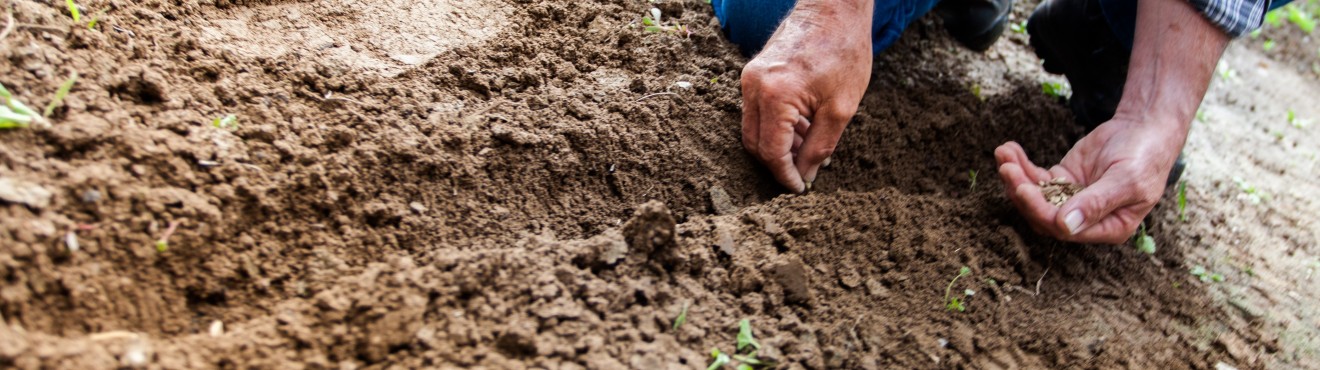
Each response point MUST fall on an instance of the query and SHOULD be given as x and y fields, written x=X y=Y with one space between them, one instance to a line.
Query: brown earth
x=524 y=184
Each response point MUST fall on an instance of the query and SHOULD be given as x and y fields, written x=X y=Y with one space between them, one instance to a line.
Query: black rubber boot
x=976 y=24
x=1073 y=38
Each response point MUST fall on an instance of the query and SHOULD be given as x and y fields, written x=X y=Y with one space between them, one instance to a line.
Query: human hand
x=802 y=89
x=1123 y=164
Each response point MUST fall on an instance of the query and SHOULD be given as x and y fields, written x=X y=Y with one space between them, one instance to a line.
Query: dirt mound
x=476 y=183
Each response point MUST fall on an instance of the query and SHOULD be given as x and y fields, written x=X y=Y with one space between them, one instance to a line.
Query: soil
x=524 y=184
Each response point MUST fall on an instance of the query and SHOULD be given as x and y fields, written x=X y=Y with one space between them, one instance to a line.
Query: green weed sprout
x=62 y=92
x=1020 y=27
x=682 y=317
x=1145 y=243
x=91 y=25
x=1269 y=45
x=745 y=335
x=73 y=11
x=1182 y=201
x=228 y=122
x=15 y=114
x=720 y=359
x=653 y=23
x=955 y=303
x=746 y=341
x=1199 y=272
x=971 y=175
x=1297 y=122
x=163 y=244
x=1303 y=20
x=1201 y=116
x=1274 y=18
x=1226 y=73
x=1055 y=89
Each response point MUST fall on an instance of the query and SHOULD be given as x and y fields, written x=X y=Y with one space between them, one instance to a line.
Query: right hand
x=800 y=92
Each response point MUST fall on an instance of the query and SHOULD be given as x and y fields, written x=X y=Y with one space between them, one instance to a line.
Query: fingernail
x=1073 y=220
x=808 y=186
x=826 y=163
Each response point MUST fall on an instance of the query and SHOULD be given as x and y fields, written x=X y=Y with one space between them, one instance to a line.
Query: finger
x=1012 y=152
x=1094 y=204
x=775 y=143
x=802 y=126
x=1012 y=176
x=823 y=138
x=1117 y=228
x=750 y=121
x=797 y=143
x=1038 y=212
x=782 y=168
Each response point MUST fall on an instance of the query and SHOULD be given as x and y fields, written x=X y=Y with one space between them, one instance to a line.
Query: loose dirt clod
x=1059 y=190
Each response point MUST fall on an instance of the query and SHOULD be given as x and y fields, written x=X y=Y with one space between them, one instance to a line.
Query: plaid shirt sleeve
x=1235 y=17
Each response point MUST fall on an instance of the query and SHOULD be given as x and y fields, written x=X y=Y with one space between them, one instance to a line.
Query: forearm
x=1173 y=58
x=837 y=19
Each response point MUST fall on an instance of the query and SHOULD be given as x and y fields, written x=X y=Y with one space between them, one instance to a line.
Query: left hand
x=1123 y=164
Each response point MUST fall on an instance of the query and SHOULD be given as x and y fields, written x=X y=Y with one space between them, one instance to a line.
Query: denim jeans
x=749 y=23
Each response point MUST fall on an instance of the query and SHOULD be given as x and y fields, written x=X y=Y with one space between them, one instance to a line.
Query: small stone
x=721 y=202
x=876 y=288
x=417 y=206
x=91 y=196
x=792 y=276
x=724 y=240
x=22 y=192
x=71 y=241
x=850 y=278
x=217 y=328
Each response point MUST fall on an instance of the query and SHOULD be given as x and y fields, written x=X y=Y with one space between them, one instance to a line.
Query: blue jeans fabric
x=749 y=23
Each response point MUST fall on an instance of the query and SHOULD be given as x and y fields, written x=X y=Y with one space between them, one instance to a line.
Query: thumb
x=1094 y=203
x=821 y=139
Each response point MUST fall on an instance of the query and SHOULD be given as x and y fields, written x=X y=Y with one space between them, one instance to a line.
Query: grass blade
x=60 y=94
x=73 y=11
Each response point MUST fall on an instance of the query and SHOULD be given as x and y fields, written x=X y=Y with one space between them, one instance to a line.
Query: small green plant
x=1226 y=73
x=91 y=25
x=1055 y=89
x=652 y=23
x=719 y=359
x=73 y=11
x=1201 y=116
x=163 y=244
x=976 y=91
x=1297 y=122
x=15 y=114
x=1182 y=201
x=1020 y=27
x=1268 y=45
x=955 y=303
x=1254 y=195
x=745 y=337
x=1274 y=18
x=682 y=317
x=1144 y=242
x=971 y=175
x=228 y=122
x=60 y=93
x=1301 y=19
x=1199 y=272
x=747 y=360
